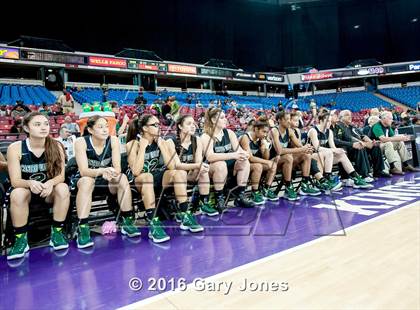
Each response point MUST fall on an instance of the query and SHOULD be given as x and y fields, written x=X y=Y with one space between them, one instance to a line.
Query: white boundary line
x=163 y=295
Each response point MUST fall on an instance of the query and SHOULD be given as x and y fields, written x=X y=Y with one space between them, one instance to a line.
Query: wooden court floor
x=375 y=266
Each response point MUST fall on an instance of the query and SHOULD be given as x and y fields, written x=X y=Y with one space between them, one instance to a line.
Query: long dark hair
x=178 y=142
x=91 y=122
x=54 y=150
x=136 y=126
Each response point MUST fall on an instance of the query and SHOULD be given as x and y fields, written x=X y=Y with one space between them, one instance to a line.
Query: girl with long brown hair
x=226 y=157
x=99 y=161
x=36 y=171
x=190 y=152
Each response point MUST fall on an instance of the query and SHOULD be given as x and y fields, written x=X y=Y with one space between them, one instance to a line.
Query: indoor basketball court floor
x=354 y=249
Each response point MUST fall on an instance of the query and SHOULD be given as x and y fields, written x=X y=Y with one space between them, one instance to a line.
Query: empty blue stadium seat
x=409 y=96
x=29 y=94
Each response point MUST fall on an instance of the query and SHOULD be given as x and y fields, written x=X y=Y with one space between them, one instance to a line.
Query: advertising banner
x=9 y=53
x=245 y=75
x=414 y=67
x=182 y=69
x=317 y=76
x=371 y=71
x=274 y=78
x=107 y=62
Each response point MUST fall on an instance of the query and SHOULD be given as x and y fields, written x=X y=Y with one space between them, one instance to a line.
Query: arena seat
x=29 y=94
x=354 y=101
x=409 y=96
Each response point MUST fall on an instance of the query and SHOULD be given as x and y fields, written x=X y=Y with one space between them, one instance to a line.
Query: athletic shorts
x=101 y=185
x=35 y=198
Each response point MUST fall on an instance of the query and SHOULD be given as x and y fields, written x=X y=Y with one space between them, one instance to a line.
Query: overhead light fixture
x=414 y=20
x=356 y=26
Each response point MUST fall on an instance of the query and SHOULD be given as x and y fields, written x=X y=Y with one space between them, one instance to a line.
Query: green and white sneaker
x=323 y=186
x=178 y=217
x=83 y=237
x=20 y=247
x=189 y=222
x=257 y=198
x=207 y=209
x=269 y=194
x=307 y=189
x=290 y=193
x=334 y=184
x=156 y=232
x=128 y=228
x=360 y=183
x=58 y=241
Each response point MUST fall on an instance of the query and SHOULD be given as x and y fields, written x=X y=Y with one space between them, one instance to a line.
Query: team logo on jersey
x=223 y=148
x=40 y=177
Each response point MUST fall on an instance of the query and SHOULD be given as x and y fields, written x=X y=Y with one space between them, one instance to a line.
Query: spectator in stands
x=70 y=125
x=44 y=109
x=392 y=145
x=211 y=104
x=157 y=107
x=373 y=112
x=17 y=127
x=358 y=147
x=67 y=139
x=20 y=110
x=3 y=111
x=188 y=100
x=115 y=108
x=334 y=119
x=234 y=105
x=372 y=120
x=175 y=107
x=66 y=102
x=198 y=104
x=122 y=128
x=406 y=119
x=140 y=102
x=201 y=120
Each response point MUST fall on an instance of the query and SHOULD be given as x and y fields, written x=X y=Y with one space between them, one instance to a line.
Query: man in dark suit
x=360 y=148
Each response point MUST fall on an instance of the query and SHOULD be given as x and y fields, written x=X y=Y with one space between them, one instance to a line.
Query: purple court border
x=99 y=278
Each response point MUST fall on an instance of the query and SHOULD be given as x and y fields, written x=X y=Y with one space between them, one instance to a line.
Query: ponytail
x=136 y=126
x=54 y=152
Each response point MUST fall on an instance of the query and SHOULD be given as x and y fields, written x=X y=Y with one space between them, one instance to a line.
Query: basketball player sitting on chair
x=36 y=170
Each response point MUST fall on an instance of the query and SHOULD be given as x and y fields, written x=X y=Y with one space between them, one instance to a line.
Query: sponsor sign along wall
x=371 y=71
x=245 y=75
x=414 y=67
x=182 y=69
x=317 y=76
x=9 y=53
x=107 y=62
